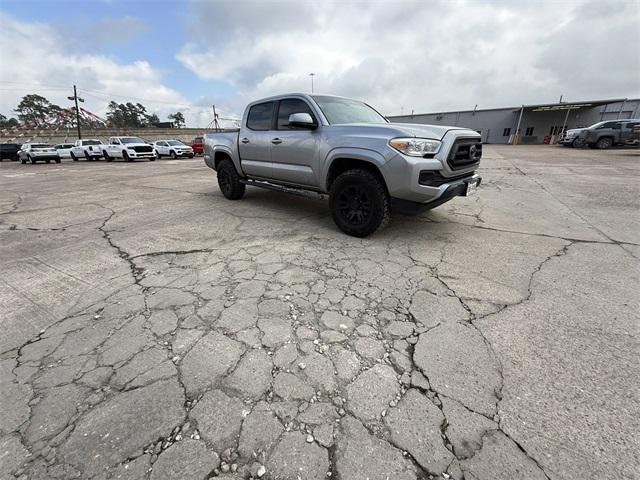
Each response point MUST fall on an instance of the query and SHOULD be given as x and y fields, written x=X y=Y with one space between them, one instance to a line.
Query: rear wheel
x=359 y=203
x=604 y=143
x=229 y=181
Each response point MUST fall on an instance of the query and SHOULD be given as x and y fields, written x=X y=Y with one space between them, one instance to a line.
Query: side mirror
x=302 y=120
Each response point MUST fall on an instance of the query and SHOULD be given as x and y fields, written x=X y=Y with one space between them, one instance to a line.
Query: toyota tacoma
x=322 y=144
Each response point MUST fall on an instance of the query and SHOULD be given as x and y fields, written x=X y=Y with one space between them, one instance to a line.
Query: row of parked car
x=604 y=134
x=126 y=148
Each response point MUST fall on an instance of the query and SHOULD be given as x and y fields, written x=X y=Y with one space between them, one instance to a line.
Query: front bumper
x=133 y=154
x=185 y=153
x=446 y=192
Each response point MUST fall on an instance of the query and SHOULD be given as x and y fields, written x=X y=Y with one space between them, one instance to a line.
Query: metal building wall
x=491 y=124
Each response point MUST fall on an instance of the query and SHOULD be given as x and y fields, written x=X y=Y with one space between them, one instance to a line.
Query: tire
x=152 y=159
x=578 y=143
x=58 y=161
x=87 y=157
x=31 y=159
x=192 y=155
x=359 y=203
x=48 y=161
x=106 y=156
x=125 y=156
x=229 y=181
x=157 y=154
x=604 y=143
x=73 y=157
x=173 y=154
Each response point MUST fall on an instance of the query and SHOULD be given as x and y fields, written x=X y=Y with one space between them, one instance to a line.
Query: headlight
x=415 y=147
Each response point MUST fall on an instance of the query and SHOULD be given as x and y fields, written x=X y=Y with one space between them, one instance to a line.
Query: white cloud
x=34 y=58
x=419 y=55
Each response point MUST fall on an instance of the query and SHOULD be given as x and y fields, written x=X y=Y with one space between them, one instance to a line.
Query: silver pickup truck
x=344 y=148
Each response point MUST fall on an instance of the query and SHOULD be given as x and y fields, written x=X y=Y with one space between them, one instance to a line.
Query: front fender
x=357 y=153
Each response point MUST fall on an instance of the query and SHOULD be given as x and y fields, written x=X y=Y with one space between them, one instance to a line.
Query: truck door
x=294 y=150
x=254 y=142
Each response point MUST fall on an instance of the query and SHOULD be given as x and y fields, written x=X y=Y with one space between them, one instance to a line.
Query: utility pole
x=216 y=124
x=76 y=99
x=312 y=75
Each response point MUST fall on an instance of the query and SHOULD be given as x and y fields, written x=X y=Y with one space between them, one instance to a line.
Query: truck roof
x=297 y=94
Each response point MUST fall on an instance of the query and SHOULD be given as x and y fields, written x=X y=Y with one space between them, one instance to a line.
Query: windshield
x=343 y=110
x=131 y=140
x=91 y=142
x=175 y=142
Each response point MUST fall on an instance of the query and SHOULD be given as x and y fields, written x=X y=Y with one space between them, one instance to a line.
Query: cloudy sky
x=397 y=55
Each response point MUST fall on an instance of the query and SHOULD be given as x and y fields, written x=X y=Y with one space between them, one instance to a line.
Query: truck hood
x=393 y=130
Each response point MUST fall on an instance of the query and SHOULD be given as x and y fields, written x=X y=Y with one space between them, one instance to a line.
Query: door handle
x=276 y=141
x=245 y=140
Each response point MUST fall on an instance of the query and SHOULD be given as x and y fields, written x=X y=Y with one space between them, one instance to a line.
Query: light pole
x=312 y=75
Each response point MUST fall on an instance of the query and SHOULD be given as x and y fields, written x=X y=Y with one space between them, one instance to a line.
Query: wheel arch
x=342 y=163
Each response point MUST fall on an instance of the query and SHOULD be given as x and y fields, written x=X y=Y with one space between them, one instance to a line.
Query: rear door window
x=260 y=116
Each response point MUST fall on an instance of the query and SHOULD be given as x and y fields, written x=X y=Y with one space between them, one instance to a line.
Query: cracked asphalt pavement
x=152 y=329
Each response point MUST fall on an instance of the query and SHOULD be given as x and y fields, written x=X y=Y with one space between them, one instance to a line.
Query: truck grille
x=464 y=153
x=143 y=149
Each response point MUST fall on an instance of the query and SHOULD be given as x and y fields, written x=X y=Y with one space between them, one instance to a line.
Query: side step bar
x=282 y=188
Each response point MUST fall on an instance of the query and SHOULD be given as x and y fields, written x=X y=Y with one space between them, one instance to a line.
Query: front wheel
x=58 y=160
x=157 y=154
x=578 y=143
x=604 y=143
x=125 y=156
x=106 y=156
x=359 y=203
x=173 y=155
x=229 y=181
x=73 y=157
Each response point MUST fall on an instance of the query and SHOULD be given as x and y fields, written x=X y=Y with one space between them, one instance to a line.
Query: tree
x=177 y=119
x=36 y=109
x=129 y=115
x=7 y=122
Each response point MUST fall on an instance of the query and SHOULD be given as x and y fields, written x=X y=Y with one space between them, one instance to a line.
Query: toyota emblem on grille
x=475 y=152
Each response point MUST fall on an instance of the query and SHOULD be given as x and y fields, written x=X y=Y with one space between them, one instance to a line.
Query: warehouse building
x=530 y=124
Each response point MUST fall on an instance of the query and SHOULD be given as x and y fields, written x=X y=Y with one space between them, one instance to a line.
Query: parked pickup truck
x=346 y=149
x=128 y=148
x=603 y=135
x=88 y=148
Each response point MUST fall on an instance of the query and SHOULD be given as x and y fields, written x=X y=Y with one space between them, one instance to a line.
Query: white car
x=64 y=149
x=172 y=148
x=34 y=152
x=88 y=148
x=128 y=148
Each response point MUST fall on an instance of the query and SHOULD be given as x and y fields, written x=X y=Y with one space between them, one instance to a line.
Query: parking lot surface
x=153 y=329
